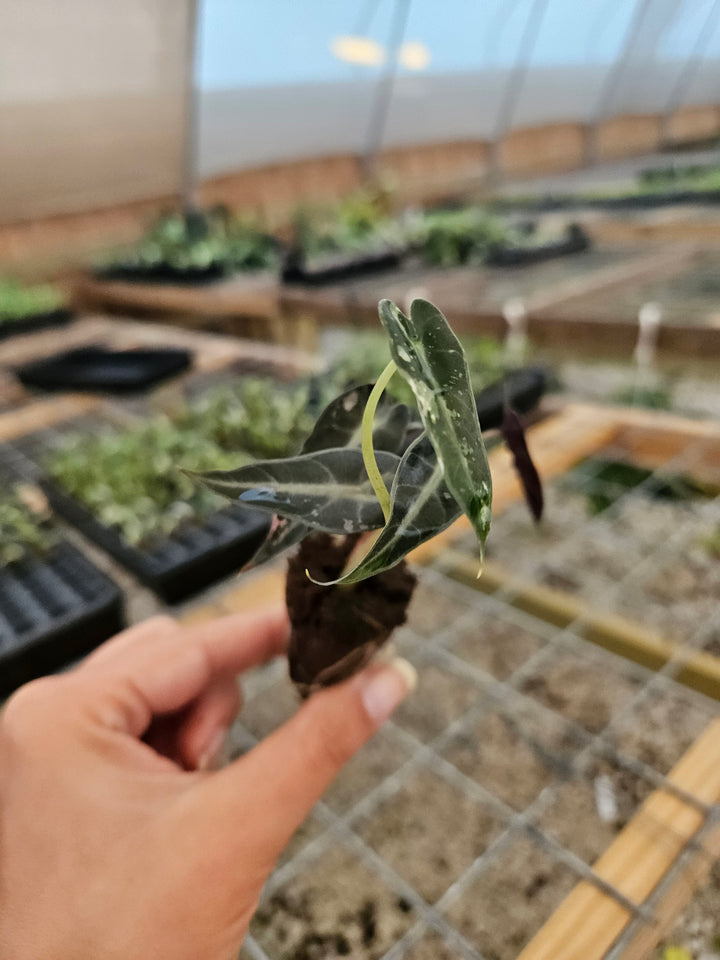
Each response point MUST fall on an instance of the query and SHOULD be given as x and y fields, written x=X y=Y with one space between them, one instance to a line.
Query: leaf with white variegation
x=421 y=506
x=328 y=490
x=340 y=423
x=429 y=356
x=339 y=426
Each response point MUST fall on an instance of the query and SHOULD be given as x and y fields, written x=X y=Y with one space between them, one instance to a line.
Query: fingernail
x=386 y=688
x=212 y=755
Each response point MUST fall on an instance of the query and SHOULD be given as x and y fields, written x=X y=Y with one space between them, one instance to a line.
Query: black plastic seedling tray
x=349 y=267
x=163 y=273
x=190 y=559
x=38 y=321
x=576 y=240
x=629 y=201
x=53 y=610
x=96 y=368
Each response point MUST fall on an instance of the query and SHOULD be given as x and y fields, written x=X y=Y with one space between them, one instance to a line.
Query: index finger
x=169 y=670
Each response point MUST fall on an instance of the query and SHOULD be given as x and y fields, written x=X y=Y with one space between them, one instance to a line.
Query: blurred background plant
x=18 y=300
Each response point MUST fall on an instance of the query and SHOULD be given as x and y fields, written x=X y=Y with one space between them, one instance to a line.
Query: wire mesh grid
x=553 y=750
x=432 y=845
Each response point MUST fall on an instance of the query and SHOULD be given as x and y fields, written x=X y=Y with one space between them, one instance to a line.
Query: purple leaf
x=514 y=436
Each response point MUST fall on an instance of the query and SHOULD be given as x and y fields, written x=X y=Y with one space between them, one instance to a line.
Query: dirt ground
x=420 y=854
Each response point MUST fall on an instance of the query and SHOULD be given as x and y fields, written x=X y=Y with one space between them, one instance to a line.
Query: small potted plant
x=55 y=605
x=373 y=481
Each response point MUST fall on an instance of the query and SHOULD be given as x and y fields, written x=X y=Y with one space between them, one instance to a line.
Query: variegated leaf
x=421 y=506
x=328 y=490
x=429 y=356
x=340 y=423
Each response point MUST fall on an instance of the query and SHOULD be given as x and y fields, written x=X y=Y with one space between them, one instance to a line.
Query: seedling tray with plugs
x=526 y=254
x=38 y=321
x=97 y=368
x=162 y=273
x=53 y=609
x=340 y=267
x=190 y=559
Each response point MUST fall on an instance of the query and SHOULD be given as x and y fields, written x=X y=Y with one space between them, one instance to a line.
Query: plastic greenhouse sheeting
x=93 y=97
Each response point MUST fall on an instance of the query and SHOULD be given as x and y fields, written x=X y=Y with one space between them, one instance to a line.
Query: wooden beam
x=698 y=670
x=43 y=414
x=588 y=921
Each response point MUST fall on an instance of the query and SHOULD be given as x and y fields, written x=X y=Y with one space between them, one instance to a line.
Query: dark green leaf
x=430 y=358
x=284 y=533
x=421 y=506
x=340 y=423
x=328 y=490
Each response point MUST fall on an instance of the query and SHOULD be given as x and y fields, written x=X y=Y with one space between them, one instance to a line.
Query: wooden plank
x=650 y=649
x=43 y=414
x=588 y=922
x=689 y=878
x=241 y=296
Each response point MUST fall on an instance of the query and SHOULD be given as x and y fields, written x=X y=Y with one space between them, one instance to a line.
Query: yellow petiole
x=368 y=452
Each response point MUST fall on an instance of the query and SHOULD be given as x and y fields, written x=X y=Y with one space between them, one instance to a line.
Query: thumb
x=275 y=786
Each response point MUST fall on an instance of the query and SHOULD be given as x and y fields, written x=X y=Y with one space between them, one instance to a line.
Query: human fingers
x=279 y=781
x=149 y=675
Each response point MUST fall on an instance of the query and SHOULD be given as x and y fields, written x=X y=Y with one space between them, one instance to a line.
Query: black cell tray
x=100 y=369
x=629 y=201
x=38 y=321
x=521 y=389
x=296 y=270
x=189 y=560
x=162 y=273
x=53 y=610
x=575 y=241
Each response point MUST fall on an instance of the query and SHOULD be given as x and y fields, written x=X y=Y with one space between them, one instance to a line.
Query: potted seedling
x=27 y=308
x=451 y=238
x=372 y=482
x=355 y=238
x=55 y=605
x=194 y=247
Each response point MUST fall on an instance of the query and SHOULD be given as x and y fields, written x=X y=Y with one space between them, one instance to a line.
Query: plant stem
x=378 y=484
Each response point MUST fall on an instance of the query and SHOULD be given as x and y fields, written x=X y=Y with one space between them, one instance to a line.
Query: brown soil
x=511 y=900
x=585 y=691
x=429 y=832
x=495 y=646
x=336 y=630
x=514 y=757
x=574 y=819
x=336 y=908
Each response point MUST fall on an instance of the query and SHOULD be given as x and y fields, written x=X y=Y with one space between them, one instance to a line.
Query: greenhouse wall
x=92 y=100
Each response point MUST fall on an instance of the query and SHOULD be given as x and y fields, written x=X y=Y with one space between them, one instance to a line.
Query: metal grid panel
x=575 y=755
x=429 y=758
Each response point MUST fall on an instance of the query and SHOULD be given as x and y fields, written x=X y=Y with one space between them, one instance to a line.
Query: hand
x=116 y=840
